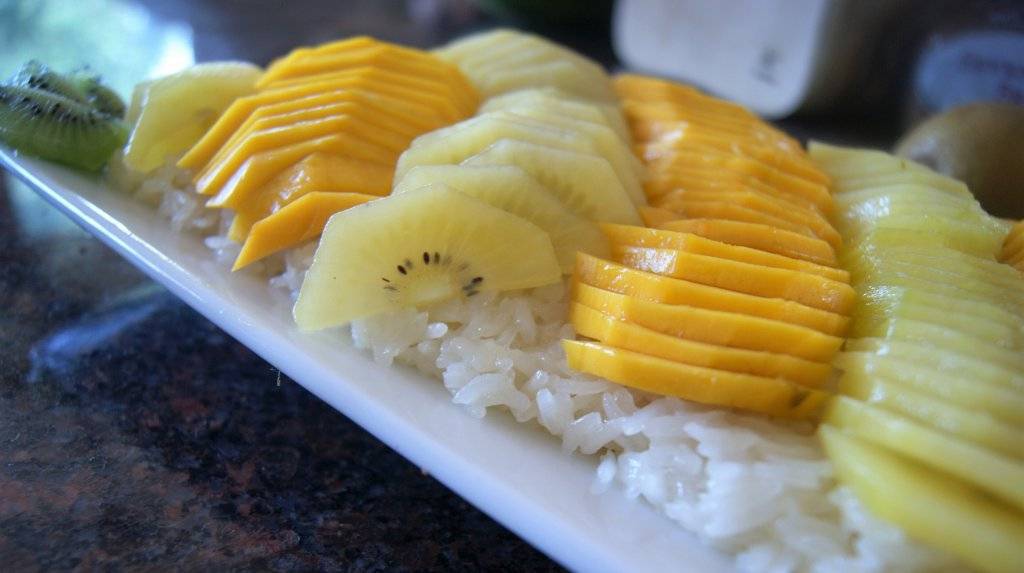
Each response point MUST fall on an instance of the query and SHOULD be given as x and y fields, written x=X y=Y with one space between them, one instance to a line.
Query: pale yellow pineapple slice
x=510 y=188
x=583 y=182
x=877 y=305
x=1000 y=401
x=603 y=138
x=417 y=248
x=455 y=143
x=171 y=113
x=557 y=101
x=957 y=363
x=992 y=472
x=978 y=427
x=931 y=507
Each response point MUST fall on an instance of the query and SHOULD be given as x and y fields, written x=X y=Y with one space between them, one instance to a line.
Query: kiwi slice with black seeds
x=81 y=86
x=104 y=99
x=58 y=128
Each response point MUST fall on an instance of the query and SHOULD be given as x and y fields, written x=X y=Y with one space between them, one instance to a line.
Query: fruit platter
x=635 y=323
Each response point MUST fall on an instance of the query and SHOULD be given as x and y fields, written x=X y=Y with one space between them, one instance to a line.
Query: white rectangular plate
x=515 y=473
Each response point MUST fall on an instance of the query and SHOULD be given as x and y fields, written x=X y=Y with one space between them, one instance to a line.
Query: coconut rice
x=758 y=489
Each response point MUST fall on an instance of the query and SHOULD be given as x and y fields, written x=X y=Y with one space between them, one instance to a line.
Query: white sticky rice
x=758 y=489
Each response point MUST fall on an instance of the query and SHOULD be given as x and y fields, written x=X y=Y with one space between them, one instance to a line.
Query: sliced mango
x=692 y=209
x=755 y=236
x=295 y=224
x=738 y=164
x=388 y=113
x=317 y=172
x=427 y=107
x=807 y=289
x=626 y=235
x=656 y=288
x=262 y=167
x=710 y=180
x=368 y=143
x=625 y=335
x=712 y=326
x=771 y=396
x=401 y=61
x=762 y=203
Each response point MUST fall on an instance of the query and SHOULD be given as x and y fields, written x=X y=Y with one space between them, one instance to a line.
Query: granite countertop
x=134 y=434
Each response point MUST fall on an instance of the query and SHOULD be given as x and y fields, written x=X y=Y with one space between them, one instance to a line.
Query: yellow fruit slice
x=583 y=182
x=368 y=143
x=708 y=386
x=804 y=288
x=417 y=248
x=295 y=224
x=931 y=507
x=554 y=100
x=1002 y=402
x=889 y=237
x=712 y=326
x=1013 y=245
x=664 y=181
x=404 y=62
x=980 y=428
x=661 y=184
x=756 y=236
x=997 y=474
x=954 y=363
x=317 y=172
x=428 y=113
x=663 y=239
x=703 y=139
x=880 y=305
x=804 y=218
x=372 y=109
x=691 y=209
x=736 y=164
x=603 y=140
x=512 y=189
x=338 y=46
x=262 y=167
x=656 y=288
x=173 y=112
x=457 y=142
x=620 y=334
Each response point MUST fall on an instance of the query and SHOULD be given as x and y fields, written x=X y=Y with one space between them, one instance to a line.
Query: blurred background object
x=836 y=56
x=979 y=144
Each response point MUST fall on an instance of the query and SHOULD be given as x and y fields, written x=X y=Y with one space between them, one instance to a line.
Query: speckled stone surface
x=134 y=434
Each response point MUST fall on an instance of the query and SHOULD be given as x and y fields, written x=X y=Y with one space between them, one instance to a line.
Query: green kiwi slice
x=58 y=128
x=81 y=86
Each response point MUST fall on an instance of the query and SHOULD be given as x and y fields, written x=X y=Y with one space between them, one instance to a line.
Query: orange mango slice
x=317 y=172
x=628 y=336
x=712 y=326
x=368 y=143
x=614 y=277
x=699 y=209
x=429 y=109
x=737 y=164
x=409 y=63
x=752 y=235
x=771 y=396
x=631 y=236
x=261 y=167
x=762 y=203
x=295 y=224
x=807 y=289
